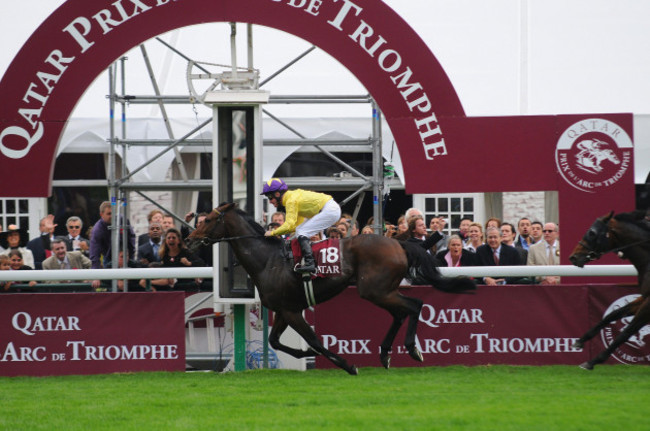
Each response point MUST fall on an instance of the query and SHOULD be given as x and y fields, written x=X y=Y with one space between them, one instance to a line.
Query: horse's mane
x=255 y=225
x=636 y=217
x=632 y=216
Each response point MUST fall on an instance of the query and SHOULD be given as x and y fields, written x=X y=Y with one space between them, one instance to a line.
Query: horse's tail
x=423 y=269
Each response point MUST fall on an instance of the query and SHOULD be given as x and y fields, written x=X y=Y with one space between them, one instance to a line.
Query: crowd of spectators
x=492 y=243
x=161 y=246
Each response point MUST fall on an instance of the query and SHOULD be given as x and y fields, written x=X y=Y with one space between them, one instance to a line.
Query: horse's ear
x=224 y=206
x=608 y=216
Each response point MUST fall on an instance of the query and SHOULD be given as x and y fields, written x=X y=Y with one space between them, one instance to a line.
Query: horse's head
x=611 y=156
x=594 y=243
x=212 y=230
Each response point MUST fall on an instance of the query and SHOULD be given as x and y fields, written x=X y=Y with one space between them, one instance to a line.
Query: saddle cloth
x=327 y=254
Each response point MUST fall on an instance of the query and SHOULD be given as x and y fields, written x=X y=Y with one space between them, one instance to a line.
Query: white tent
x=90 y=135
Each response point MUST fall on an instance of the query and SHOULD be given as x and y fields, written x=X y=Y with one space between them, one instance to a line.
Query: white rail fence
x=206 y=272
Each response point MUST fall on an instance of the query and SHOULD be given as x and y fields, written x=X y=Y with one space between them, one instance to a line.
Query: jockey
x=307 y=213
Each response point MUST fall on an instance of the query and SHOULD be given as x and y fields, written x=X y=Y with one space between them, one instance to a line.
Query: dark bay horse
x=374 y=263
x=629 y=234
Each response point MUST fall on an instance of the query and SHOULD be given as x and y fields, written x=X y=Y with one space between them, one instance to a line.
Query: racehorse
x=376 y=264
x=629 y=234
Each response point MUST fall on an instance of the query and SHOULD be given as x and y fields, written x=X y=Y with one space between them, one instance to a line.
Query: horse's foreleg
x=627 y=310
x=641 y=318
x=298 y=323
x=279 y=326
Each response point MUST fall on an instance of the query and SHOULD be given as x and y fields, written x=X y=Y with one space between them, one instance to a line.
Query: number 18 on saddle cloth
x=327 y=254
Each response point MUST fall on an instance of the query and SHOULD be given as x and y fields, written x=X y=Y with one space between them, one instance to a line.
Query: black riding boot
x=309 y=265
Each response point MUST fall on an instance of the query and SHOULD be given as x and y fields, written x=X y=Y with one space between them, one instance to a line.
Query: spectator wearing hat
x=15 y=238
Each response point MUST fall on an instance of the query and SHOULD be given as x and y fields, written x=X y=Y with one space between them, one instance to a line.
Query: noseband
x=596 y=235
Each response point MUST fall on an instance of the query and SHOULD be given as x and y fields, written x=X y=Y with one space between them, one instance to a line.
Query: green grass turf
x=458 y=398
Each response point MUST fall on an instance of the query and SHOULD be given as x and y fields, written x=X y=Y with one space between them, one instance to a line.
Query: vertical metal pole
x=524 y=21
x=239 y=329
x=233 y=48
x=124 y=195
x=249 y=43
x=217 y=277
x=112 y=183
x=265 y=337
x=377 y=170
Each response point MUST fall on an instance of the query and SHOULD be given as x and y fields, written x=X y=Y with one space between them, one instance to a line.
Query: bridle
x=205 y=241
x=599 y=234
x=596 y=235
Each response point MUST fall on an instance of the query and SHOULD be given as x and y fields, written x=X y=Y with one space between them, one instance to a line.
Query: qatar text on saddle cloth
x=327 y=254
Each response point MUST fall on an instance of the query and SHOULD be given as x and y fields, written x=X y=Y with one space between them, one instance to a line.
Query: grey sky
x=580 y=55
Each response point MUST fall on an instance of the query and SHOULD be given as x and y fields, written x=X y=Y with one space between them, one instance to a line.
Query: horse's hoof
x=578 y=345
x=353 y=371
x=415 y=354
x=385 y=361
x=586 y=366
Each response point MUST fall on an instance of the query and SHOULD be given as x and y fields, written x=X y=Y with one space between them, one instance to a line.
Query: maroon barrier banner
x=603 y=302
x=91 y=333
x=518 y=325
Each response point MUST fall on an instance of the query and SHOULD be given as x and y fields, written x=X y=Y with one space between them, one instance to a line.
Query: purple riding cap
x=274 y=185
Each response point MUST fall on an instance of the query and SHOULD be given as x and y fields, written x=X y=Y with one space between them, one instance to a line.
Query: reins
x=210 y=241
x=617 y=249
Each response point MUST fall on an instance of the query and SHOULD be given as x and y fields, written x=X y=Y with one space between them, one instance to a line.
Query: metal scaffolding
x=122 y=183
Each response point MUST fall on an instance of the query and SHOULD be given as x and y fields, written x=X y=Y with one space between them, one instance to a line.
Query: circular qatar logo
x=593 y=154
x=636 y=349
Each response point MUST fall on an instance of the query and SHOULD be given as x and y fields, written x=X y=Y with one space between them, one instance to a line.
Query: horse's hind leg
x=400 y=307
x=298 y=323
x=387 y=343
x=279 y=326
x=627 y=310
x=415 y=305
x=641 y=318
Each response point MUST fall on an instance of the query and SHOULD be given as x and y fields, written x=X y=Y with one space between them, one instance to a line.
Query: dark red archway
x=80 y=39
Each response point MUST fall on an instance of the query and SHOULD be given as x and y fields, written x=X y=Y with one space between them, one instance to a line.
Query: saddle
x=327 y=254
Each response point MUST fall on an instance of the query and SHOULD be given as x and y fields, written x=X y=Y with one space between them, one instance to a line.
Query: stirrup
x=301 y=269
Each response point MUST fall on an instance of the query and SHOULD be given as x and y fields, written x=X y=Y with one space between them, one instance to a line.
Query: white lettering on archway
x=390 y=61
x=345 y=16
x=16 y=141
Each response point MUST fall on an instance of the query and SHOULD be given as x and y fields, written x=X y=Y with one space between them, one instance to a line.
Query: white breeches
x=330 y=214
